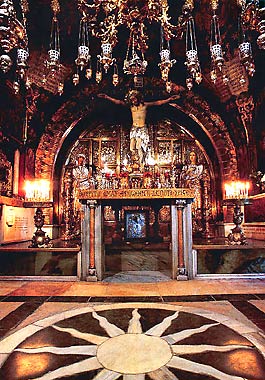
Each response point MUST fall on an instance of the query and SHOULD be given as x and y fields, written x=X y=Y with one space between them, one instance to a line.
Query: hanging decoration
x=83 y=58
x=108 y=36
x=23 y=52
x=166 y=63
x=217 y=59
x=245 y=49
x=134 y=63
x=261 y=29
x=253 y=18
x=115 y=76
x=129 y=20
x=13 y=35
x=53 y=62
x=134 y=16
x=192 y=60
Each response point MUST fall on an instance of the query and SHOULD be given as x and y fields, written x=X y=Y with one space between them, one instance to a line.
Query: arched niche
x=86 y=112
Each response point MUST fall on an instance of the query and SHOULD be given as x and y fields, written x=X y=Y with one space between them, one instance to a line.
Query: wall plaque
x=16 y=224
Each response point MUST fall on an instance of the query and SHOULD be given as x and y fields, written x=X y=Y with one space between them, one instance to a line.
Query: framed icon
x=136 y=225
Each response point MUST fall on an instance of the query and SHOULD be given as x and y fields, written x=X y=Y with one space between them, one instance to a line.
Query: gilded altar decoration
x=245 y=105
x=147 y=180
x=191 y=176
x=102 y=168
x=136 y=194
x=109 y=214
x=124 y=180
x=164 y=214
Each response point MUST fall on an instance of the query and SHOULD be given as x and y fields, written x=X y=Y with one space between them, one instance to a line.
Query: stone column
x=92 y=262
x=182 y=272
x=92 y=276
x=181 y=238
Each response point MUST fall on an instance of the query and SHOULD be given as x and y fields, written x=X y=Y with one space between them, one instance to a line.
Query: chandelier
x=106 y=20
x=13 y=35
x=134 y=16
x=134 y=63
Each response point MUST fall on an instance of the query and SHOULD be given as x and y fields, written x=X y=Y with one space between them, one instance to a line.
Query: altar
x=136 y=202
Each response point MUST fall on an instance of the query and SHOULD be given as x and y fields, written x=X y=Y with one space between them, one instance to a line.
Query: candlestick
x=236 y=192
x=37 y=194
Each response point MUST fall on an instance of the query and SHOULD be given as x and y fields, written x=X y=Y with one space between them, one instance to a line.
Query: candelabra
x=236 y=193
x=37 y=196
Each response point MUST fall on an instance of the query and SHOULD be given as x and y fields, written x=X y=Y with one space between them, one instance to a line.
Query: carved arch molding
x=74 y=110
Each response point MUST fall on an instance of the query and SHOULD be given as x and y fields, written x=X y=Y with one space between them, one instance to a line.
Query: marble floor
x=190 y=330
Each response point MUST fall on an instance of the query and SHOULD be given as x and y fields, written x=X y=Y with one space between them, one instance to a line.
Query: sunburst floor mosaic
x=134 y=341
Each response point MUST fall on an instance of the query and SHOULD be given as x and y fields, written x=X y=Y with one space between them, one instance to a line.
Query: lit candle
x=236 y=189
x=125 y=162
x=37 y=190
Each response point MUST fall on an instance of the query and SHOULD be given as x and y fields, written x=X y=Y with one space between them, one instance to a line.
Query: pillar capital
x=92 y=203
x=181 y=203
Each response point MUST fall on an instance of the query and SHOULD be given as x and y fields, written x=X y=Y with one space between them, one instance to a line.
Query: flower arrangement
x=124 y=174
x=147 y=175
x=107 y=175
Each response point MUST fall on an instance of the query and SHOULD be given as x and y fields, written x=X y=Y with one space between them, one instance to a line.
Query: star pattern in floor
x=134 y=341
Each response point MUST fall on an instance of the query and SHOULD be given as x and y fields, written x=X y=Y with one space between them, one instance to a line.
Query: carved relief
x=245 y=105
x=109 y=214
x=164 y=214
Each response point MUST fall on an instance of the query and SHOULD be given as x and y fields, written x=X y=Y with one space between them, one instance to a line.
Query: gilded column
x=206 y=206
x=16 y=172
x=68 y=209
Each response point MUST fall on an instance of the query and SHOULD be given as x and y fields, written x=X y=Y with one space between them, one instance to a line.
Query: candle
x=236 y=189
x=37 y=190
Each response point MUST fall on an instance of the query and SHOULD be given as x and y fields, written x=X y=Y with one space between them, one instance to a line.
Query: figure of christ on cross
x=139 y=137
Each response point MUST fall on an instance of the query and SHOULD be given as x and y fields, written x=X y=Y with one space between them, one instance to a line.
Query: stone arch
x=216 y=130
x=61 y=124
